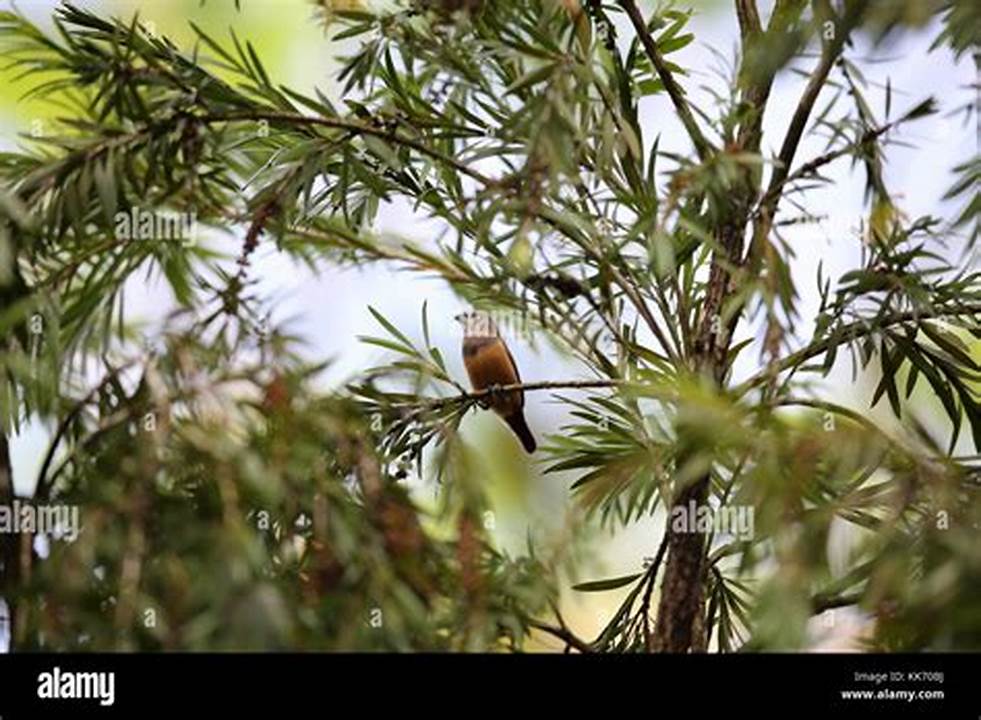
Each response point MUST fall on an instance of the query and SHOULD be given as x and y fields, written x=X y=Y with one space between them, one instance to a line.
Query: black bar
x=337 y=685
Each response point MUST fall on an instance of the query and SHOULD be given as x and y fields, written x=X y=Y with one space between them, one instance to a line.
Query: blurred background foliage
x=231 y=499
x=259 y=523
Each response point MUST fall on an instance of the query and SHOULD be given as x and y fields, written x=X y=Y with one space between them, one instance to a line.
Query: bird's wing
x=514 y=365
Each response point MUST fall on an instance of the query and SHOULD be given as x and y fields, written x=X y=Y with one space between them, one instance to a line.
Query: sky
x=330 y=308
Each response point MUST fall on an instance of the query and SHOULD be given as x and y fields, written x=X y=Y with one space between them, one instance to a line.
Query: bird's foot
x=492 y=392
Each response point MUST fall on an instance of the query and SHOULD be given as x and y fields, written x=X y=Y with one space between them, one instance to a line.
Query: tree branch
x=811 y=167
x=562 y=633
x=795 y=131
x=41 y=485
x=675 y=92
x=749 y=19
x=848 y=333
x=830 y=52
x=360 y=128
x=756 y=77
x=822 y=603
x=648 y=591
x=484 y=180
x=435 y=403
x=830 y=407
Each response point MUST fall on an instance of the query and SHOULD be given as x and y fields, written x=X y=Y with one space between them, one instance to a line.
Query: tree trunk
x=684 y=575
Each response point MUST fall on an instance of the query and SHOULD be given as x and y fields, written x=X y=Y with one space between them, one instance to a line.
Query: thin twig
x=767 y=209
x=42 y=479
x=645 y=604
x=830 y=407
x=822 y=603
x=400 y=139
x=351 y=126
x=675 y=92
x=795 y=131
x=563 y=634
x=436 y=403
x=811 y=167
x=850 y=333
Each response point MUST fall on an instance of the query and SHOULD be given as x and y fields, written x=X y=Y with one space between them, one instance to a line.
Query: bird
x=490 y=365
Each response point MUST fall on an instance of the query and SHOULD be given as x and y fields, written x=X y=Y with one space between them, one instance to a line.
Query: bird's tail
x=517 y=423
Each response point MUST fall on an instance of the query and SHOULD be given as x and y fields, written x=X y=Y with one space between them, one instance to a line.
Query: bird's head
x=477 y=324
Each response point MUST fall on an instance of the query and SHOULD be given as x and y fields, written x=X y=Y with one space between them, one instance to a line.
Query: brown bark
x=681 y=587
x=684 y=574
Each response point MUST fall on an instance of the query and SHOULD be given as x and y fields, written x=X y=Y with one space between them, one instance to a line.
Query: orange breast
x=490 y=365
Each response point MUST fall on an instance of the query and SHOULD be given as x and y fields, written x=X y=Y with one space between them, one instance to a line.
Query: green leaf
x=531 y=78
x=675 y=44
x=384 y=151
x=394 y=331
x=603 y=585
